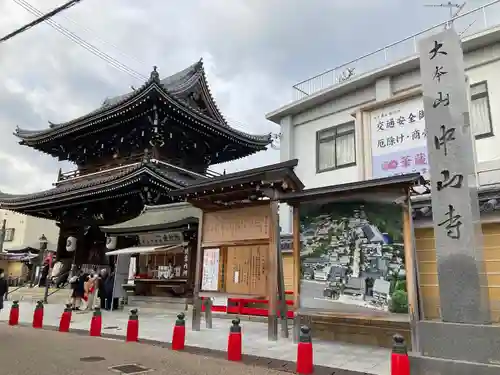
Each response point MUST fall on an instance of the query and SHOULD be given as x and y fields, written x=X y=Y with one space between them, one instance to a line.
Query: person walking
x=4 y=288
x=78 y=290
x=90 y=291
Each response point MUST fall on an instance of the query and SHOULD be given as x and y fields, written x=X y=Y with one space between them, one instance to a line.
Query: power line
x=88 y=46
x=42 y=18
x=98 y=38
x=93 y=49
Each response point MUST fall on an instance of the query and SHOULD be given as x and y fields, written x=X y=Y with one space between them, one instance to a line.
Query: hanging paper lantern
x=111 y=243
x=71 y=244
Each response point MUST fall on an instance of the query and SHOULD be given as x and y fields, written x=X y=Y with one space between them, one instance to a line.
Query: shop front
x=160 y=262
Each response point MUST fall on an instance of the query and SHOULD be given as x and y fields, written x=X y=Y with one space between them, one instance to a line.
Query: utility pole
x=41 y=19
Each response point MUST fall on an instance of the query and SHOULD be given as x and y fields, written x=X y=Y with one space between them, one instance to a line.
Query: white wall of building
x=27 y=229
x=397 y=92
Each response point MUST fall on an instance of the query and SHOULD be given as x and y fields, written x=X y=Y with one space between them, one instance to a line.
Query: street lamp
x=43 y=249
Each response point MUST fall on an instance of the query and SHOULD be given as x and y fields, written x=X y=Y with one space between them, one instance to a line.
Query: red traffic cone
x=96 y=323
x=179 y=335
x=65 y=319
x=400 y=363
x=133 y=327
x=38 y=315
x=305 y=352
x=14 y=314
x=234 y=341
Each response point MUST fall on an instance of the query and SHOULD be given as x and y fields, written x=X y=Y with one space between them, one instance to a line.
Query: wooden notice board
x=247 y=270
x=236 y=225
x=243 y=236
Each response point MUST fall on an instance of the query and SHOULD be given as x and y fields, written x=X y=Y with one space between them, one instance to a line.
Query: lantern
x=71 y=244
x=111 y=243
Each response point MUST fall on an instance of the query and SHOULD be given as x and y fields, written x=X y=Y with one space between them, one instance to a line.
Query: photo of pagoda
x=130 y=153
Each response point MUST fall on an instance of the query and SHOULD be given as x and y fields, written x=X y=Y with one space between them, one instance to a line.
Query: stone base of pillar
x=445 y=347
x=422 y=365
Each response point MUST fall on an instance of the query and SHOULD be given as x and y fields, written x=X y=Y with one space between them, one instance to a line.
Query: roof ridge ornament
x=154 y=76
x=146 y=157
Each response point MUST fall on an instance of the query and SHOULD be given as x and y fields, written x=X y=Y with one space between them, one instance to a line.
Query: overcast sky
x=254 y=51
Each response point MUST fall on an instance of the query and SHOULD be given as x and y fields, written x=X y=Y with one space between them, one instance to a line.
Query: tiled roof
x=489 y=200
x=171 y=87
x=100 y=182
x=158 y=217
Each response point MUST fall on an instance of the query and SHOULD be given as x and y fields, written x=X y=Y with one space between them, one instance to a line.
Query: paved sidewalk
x=157 y=326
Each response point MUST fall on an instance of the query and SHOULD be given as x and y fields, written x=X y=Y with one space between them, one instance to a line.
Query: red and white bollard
x=14 y=314
x=96 y=323
x=234 y=344
x=400 y=363
x=38 y=315
x=305 y=364
x=133 y=327
x=65 y=321
x=179 y=334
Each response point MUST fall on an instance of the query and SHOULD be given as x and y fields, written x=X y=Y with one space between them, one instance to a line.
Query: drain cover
x=92 y=359
x=130 y=369
x=111 y=327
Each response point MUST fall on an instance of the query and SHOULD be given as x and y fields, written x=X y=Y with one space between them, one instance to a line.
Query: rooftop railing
x=466 y=24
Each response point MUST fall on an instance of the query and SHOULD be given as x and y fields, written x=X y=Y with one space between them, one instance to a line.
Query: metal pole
x=43 y=244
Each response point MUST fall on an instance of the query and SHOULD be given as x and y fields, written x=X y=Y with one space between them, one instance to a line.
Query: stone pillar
x=464 y=334
x=463 y=287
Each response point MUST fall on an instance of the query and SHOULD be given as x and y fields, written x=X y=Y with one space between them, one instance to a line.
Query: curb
x=248 y=359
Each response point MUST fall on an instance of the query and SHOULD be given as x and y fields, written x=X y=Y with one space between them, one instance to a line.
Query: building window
x=9 y=234
x=480 y=114
x=335 y=147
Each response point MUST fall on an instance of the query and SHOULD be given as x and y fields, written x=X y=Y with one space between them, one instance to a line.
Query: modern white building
x=24 y=230
x=365 y=119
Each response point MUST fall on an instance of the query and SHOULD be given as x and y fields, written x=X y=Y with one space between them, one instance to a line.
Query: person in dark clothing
x=43 y=276
x=4 y=288
x=108 y=291
x=78 y=286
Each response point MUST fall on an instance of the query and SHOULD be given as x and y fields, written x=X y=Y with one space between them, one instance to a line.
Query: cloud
x=254 y=50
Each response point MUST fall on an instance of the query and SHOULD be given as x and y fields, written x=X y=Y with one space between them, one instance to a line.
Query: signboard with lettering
x=455 y=206
x=237 y=224
x=210 y=273
x=399 y=139
x=161 y=238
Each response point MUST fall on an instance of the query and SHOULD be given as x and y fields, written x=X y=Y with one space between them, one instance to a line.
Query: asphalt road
x=26 y=351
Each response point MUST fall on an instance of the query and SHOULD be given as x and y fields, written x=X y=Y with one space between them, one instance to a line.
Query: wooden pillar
x=296 y=258
x=281 y=278
x=272 y=277
x=411 y=274
x=296 y=272
x=196 y=319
